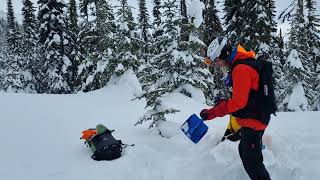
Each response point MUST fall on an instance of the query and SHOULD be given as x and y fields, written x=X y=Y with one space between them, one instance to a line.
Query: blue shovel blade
x=194 y=128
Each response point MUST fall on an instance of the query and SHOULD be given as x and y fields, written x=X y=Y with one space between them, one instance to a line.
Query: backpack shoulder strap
x=250 y=62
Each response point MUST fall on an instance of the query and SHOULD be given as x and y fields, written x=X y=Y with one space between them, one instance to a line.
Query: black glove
x=204 y=114
x=231 y=136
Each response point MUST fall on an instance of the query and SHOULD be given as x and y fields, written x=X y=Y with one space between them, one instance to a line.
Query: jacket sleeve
x=241 y=77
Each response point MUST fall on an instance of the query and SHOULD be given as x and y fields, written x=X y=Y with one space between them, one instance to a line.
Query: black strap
x=250 y=62
x=126 y=145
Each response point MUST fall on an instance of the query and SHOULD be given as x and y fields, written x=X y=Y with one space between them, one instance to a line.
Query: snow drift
x=40 y=140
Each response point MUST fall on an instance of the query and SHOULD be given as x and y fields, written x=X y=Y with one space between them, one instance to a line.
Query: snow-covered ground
x=40 y=140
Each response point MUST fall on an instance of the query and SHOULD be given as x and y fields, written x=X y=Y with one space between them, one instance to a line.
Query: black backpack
x=107 y=147
x=265 y=95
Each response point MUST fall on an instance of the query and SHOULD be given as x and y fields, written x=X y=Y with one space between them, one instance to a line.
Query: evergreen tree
x=270 y=45
x=30 y=48
x=313 y=40
x=13 y=67
x=76 y=55
x=280 y=53
x=105 y=25
x=298 y=41
x=251 y=23
x=12 y=39
x=293 y=97
x=97 y=40
x=177 y=69
x=143 y=19
x=84 y=8
x=234 y=19
x=86 y=41
x=313 y=28
x=184 y=21
x=157 y=27
x=278 y=60
x=3 y=47
x=73 y=17
x=157 y=22
x=54 y=39
x=211 y=26
x=127 y=45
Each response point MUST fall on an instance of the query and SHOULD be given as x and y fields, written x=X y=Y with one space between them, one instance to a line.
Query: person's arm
x=240 y=93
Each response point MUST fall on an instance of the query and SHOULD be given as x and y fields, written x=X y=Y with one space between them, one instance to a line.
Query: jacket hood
x=240 y=53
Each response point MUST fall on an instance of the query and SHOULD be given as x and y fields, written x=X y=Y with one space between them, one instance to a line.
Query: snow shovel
x=194 y=128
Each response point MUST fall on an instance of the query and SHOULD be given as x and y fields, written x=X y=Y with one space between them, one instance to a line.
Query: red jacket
x=244 y=79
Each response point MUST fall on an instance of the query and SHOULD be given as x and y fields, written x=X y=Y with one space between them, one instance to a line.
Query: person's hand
x=204 y=114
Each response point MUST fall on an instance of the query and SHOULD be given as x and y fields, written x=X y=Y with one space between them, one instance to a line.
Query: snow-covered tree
x=97 y=41
x=143 y=20
x=278 y=60
x=54 y=39
x=30 y=48
x=293 y=97
x=13 y=66
x=234 y=19
x=251 y=23
x=157 y=22
x=105 y=25
x=144 y=25
x=313 y=29
x=86 y=42
x=211 y=28
x=3 y=47
x=280 y=52
x=211 y=25
x=298 y=41
x=127 y=46
x=179 y=68
x=270 y=45
x=184 y=29
x=12 y=39
x=73 y=17
x=313 y=40
x=76 y=55
x=157 y=27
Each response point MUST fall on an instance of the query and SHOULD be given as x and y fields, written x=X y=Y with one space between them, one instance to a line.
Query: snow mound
x=130 y=81
x=294 y=60
x=298 y=100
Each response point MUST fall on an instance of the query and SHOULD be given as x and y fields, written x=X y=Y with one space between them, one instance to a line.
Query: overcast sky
x=280 y=5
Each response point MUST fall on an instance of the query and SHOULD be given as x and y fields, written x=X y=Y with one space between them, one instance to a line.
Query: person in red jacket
x=245 y=82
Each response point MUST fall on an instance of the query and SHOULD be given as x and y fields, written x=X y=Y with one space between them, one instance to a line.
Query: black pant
x=250 y=150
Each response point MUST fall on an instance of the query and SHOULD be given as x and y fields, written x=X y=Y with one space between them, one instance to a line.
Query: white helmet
x=216 y=46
